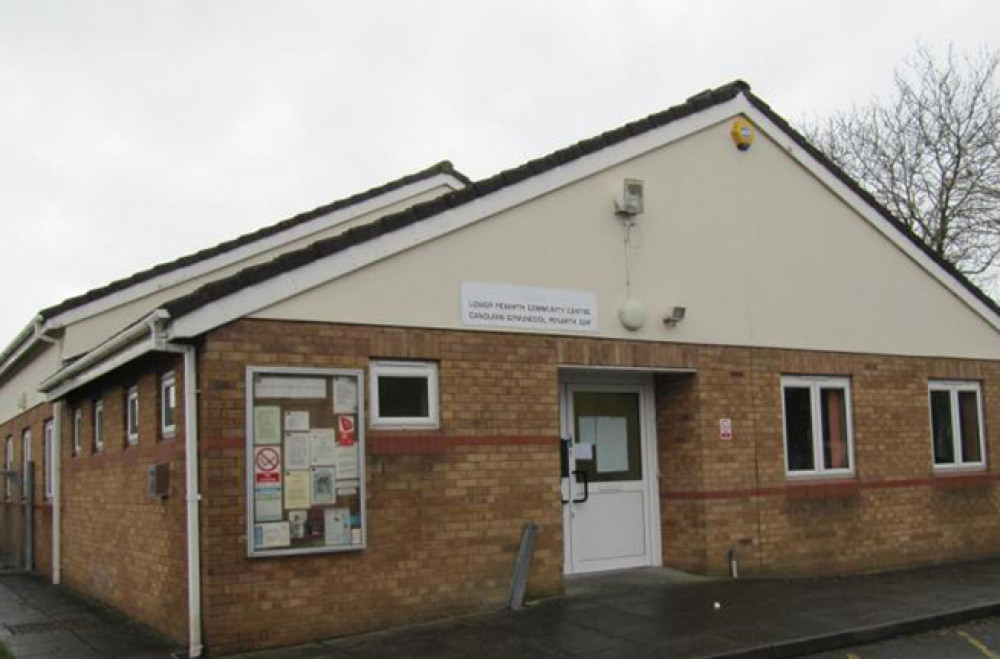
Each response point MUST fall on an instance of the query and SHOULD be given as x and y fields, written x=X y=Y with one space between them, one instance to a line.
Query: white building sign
x=523 y=307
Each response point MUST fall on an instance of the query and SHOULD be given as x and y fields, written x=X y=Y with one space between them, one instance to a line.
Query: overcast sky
x=133 y=132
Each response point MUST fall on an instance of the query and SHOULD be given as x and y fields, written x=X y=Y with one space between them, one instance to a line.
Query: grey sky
x=132 y=132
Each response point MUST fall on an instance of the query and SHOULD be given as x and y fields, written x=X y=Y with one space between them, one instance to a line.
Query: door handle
x=586 y=486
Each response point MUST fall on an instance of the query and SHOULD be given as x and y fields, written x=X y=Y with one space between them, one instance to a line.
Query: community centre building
x=690 y=341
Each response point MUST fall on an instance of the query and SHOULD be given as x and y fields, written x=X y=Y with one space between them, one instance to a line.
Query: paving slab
x=42 y=621
x=639 y=614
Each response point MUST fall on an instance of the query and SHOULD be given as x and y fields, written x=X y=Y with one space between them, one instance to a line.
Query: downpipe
x=193 y=500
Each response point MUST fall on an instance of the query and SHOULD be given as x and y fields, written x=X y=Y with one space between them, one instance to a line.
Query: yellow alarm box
x=743 y=134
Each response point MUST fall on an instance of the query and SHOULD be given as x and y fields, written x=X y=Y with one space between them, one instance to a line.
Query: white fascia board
x=26 y=341
x=260 y=296
x=206 y=266
x=17 y=344
x=865 y=210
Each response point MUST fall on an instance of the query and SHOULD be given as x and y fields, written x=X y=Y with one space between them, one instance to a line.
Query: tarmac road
x=974 y=640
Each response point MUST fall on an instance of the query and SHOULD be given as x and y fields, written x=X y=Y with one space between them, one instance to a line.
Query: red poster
x=346 y=432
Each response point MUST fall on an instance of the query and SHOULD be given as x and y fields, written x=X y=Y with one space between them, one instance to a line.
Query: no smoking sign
x=267 y=465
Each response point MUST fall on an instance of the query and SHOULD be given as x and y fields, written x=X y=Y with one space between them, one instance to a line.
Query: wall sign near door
x=726 y=430
x=528 y=307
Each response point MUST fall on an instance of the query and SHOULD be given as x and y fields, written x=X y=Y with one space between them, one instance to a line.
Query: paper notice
x=267 y=424
x=346 y=431
x=296 y=421
x=355 y=536
x=297 y=489
x=587 y=427
x=271 y=535
x=297 y=523
x=279 y=386
x=321 y=447
x=338 y=526
x=345 y=396
x=324 y=486
x=583 y=451
x=347 y=462
x=612 y=444
x=297 y=450
x=267 y=503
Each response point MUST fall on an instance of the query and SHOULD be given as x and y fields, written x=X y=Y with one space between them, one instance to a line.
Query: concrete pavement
x=637 y=614
x=42 y=621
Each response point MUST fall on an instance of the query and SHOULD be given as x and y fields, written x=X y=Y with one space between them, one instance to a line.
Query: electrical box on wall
x=631 y=200
x=158 y=480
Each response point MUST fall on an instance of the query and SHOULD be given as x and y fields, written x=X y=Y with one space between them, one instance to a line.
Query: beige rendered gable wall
x=21 y=386
x=758 y=250
x=86 y=334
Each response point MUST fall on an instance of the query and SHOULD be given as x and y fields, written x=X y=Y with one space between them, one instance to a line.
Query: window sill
x=411 y=426
x=823 y=488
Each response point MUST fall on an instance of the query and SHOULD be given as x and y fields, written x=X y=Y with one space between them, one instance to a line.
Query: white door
x=610 y=511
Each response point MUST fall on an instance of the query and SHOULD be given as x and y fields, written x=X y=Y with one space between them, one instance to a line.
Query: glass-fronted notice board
x=305 y=461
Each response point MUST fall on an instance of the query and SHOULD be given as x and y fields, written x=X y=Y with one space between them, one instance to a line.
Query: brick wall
x=33 y=419
x=895 y=512
x=121 y=546
x=445 y=508
x=493 y=466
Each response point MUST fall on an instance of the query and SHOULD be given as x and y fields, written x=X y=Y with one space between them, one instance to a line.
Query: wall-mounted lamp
x=630 y=201
x=676 y=315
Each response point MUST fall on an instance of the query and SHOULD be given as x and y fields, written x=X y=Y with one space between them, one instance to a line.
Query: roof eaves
x=444 y=167
x=256 y=274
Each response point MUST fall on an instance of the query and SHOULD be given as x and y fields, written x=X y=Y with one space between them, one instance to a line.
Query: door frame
x=604 y=380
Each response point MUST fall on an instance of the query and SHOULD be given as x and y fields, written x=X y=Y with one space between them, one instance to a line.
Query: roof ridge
x=441 y=167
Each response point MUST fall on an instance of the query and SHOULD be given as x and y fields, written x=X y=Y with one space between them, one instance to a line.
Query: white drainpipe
x=56 y=457
x=193 y=499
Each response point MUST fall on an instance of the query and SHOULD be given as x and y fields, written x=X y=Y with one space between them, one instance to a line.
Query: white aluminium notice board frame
x=329 y=374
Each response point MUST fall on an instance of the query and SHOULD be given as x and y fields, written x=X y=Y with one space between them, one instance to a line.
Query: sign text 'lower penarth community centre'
x=501 y=305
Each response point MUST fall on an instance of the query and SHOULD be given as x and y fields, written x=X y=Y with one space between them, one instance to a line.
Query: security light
x=677 y=314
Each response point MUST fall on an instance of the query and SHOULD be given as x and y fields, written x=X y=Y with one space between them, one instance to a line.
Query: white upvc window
x=404 y=394
x=816 y=413
x=8 y=464
x=25 y=459
x=132 y=416
x=957 y=437
x=48 y=449
x=168 y=405
x=77 y=427
x=98 y=425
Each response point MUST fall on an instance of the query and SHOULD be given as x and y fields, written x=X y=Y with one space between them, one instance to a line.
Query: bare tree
x=930 y=153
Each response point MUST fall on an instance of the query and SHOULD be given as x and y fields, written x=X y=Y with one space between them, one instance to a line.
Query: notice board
x=305 y=453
